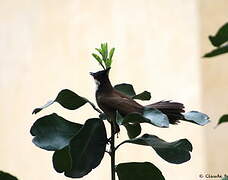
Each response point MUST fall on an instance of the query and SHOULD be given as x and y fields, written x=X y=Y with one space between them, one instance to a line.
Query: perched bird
x=111 y=100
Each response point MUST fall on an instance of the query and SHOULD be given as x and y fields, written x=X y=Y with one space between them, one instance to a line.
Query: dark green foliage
x=62 y=160
x=53 y=132
x=144 y=96
x=216 y=52
x=133 y=129
x=138 y=171
x=196 y=117
x=67 y=98
x=220 y=37
x=223 y=119
x=129 y=91
x=220 y=41
x=6 y=176
x=126 y=89
x=87 y=148
x=175 y=152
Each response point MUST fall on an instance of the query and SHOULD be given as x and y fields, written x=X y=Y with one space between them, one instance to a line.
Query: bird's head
x=101 y=77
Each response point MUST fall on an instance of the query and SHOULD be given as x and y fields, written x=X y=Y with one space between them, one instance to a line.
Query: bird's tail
x=172 y=109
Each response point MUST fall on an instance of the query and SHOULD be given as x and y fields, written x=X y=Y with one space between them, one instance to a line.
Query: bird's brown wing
x=123 y=105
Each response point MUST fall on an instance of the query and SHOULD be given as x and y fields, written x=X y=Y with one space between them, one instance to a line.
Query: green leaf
x=221 y=36
x=111 y=53
x=176 y=152
x=145 y=96
x=133 y=129
x=68 y=99
x=104 y=48
x=53 y=132
x=156 y=117
x=6 y=176
x=138 y=171
x=225 y=178
x=97 y=58
x=87 y=148
x=127 y=89
x=108 y=63
x=151 y=116
x=100 y=51
x=62 y=160
x=218 y=51
x=196 y=117
x=223 y=119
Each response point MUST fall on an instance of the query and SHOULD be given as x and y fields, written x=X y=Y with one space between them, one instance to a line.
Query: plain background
x=46 y=46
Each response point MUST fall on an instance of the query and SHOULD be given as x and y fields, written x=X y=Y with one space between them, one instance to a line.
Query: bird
x=110 y=100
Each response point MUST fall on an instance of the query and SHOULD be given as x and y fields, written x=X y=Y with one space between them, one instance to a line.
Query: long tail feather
x=172 y=109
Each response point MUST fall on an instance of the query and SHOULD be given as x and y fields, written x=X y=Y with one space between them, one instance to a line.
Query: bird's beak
x=91 y=73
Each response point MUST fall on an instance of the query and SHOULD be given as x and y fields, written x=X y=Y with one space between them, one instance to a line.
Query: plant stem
x=112 y=152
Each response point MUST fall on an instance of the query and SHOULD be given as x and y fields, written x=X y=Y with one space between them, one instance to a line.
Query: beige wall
x=46 y=45
x=214 y=86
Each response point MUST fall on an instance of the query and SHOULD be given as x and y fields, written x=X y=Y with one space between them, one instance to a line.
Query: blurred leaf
x=221 y=36
x=196 y=117
x=156 y=117
x=176 y=152
x=225 y=178
x=218 y=51
x=53 y=132
x=87 y=148
x=133 y=129
x=62 y=160
x=111 y=53
x=68 y=99
x=6 y=176
x=108 y=63
x=97 y=58
x=100 y=51
x=223 y=119
x=145 y=95
x=127 y=89
x=138 y=171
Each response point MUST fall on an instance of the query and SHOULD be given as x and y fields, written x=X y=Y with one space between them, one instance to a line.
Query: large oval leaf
x=87 y=148
x=133 y=129
x=176 y=152
x=196 y=117
x=138 y=171
x=53 y=132
x=62 y=160
x=128 y=90
x=156 y=117
x=69 y=100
